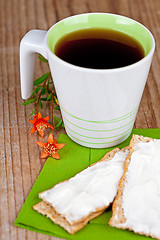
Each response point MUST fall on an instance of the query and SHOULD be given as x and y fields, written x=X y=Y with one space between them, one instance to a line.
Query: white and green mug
x=98 y=106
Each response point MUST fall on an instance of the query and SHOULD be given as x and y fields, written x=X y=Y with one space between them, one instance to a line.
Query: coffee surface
x=99 y=49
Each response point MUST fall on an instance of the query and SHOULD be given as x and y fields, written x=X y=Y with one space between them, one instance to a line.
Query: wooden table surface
x=20 y=161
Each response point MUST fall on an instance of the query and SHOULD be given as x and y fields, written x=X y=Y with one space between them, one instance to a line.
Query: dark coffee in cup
x=99 y=48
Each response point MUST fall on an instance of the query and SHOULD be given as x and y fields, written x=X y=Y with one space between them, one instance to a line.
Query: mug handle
x=33 y=42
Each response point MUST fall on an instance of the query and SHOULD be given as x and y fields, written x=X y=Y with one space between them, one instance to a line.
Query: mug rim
x=144 y=59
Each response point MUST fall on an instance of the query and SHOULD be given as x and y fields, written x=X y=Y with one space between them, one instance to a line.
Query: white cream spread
x=94 y=187
x=141 y=196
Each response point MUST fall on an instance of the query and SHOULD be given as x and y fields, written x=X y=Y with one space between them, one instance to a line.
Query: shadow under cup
x=99 y=106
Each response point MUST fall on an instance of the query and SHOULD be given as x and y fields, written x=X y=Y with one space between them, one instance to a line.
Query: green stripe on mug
x=114 y=141
x=95 y=130
x=128 y=130
x=105 y=121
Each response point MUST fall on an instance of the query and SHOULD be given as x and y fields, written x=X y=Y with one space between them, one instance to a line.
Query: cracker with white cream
x=137 y=205
x=74 y=202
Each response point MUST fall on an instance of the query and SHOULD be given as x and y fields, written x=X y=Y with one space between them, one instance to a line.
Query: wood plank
x=78 y=7
x=62 y=9
x=153 y=79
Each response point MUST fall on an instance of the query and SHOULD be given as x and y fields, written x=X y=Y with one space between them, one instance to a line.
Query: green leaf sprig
x=44 y=92
x=58 y=123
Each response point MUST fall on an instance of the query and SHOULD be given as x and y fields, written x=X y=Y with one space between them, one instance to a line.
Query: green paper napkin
x=74 y=158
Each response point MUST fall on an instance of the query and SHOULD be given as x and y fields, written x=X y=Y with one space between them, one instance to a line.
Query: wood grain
x=19 y=156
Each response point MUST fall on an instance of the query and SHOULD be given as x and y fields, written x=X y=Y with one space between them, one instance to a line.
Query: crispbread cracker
x=45 y=208
x=118 y=219
x=50 y=212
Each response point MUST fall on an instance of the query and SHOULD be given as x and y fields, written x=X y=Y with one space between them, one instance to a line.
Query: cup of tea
x=99 y=63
